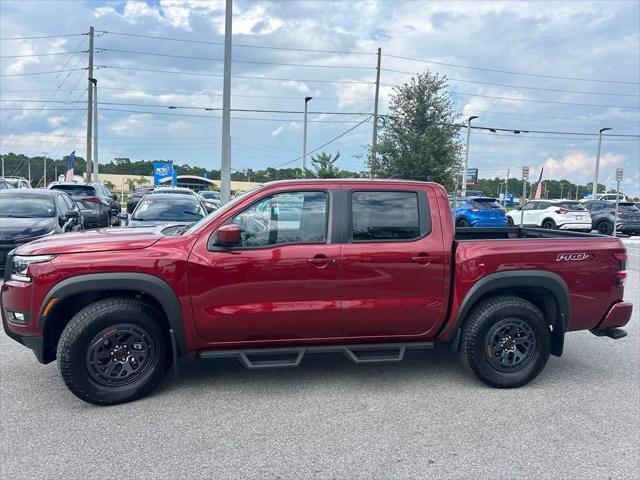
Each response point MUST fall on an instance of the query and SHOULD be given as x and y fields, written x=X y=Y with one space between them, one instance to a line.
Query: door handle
x=423 y=258
x=320 y=261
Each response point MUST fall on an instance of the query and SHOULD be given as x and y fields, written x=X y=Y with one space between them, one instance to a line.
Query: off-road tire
x=474 y=346
x=89 y=322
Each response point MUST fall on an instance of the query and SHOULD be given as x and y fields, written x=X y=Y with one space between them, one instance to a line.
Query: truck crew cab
x=370 y=268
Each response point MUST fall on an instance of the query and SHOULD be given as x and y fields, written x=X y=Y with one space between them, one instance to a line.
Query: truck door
x=393 y=263
x=280 y=283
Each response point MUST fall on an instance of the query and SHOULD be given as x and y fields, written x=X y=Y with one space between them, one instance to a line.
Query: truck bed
x=506 y=233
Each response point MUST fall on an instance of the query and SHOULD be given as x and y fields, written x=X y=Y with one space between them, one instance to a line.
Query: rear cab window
x=485 y=203
x=570 y=205
x=383 y=216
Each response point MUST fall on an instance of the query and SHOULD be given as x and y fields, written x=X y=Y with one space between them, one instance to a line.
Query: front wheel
x=505 y=342
x=113 y=351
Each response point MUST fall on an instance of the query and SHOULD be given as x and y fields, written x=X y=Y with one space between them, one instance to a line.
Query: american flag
x=70 y=161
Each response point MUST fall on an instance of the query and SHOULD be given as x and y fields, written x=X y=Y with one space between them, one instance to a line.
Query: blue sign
x=163 y=171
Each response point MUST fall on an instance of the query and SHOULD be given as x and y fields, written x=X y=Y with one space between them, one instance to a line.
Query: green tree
x=131 y=183
x=109 y=185
x=418 y=139
x=324 y=166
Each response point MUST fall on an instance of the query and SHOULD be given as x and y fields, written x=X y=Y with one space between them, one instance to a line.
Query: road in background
x=424 y=417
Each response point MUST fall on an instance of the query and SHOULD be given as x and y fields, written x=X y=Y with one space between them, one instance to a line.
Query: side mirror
x=69 y=214
x=228 y=235
x=122 y=216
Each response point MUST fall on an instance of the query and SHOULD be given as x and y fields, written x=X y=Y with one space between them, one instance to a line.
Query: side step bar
x=615 y=333
x=258 y=358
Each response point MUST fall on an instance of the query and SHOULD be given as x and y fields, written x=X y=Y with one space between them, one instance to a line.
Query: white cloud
x=580 y=165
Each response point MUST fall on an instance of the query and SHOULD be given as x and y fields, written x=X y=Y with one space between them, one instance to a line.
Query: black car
x=209 y=205
x=29 y=214
x=135 y=196
x=97 y=204
x=603 y=216
x=167 y=208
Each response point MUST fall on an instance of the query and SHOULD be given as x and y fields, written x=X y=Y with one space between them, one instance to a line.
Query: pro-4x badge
x=571 y=257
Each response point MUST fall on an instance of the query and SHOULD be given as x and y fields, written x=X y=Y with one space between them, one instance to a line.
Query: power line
x=41 y=54
x=514 y=99
x=136 y=52
x=241 y=45
x=207 y=92
x=39 y=73
x=6 y=39
x=327 y=143
x=524 y=87
x=248 y=77
x=580 y=139
x=539 y=75
x=584 y=134
x=553 y=117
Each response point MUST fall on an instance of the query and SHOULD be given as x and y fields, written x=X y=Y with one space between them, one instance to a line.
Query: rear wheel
x=605 y=228
x=462 y=223
x=549 y=224
x=113 y=351
x=510 y=220
x=505 y=342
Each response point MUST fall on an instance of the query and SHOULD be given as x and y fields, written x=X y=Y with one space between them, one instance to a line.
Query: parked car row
x=582 y=216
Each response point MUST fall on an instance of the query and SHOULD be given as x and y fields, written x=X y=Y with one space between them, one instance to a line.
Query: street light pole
x=615 y=219
x=466 y=158
x=304 y=139
x=595 y=177
x=95 y=129
x=525 y=178
x=225 y=161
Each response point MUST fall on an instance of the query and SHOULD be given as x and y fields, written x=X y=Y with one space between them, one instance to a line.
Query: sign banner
x=163 y=171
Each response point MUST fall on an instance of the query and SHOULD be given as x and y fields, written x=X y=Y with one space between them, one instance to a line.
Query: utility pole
x=95 y=129
x=1 y=157
x=225 y=163
x=55 y=172
x=525 y=177
x=595 y=176
x=374 y=140
x=561 y=188
x=304 y=138
x=466 y=158
x=89 y=106
x=29 y=169
x=44 y=175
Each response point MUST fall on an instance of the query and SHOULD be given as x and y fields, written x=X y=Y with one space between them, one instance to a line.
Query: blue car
x=479 y=212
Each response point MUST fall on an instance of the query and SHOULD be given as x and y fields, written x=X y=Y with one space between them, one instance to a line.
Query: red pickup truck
x=370 y=268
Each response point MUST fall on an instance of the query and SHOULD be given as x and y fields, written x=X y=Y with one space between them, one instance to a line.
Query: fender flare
x=540 y=279
x=153 y=286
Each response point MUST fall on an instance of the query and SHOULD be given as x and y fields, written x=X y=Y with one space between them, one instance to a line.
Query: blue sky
x=581 y=40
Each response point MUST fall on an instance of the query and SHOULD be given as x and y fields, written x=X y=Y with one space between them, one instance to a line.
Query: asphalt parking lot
x=330 y=418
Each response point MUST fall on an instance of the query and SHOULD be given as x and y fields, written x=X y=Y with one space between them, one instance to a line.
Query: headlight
x=20 y=266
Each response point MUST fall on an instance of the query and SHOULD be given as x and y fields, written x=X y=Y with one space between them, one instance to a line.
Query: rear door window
x=384 y=215
x=571 y=205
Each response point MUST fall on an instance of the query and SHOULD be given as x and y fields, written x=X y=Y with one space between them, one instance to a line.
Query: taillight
x=621 y=275
x=562 y=211
x=92 y=200
x=475 y=209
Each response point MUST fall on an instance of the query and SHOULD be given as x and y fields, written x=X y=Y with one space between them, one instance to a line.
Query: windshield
x=485 y=203
x=571 y=206
x=76 y=190
x=169 y=209
x=27 y=206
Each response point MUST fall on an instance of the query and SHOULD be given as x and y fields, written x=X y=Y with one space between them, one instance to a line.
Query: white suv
x=552 y=214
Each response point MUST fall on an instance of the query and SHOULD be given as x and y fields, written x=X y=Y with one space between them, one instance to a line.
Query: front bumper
x=34 y=342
